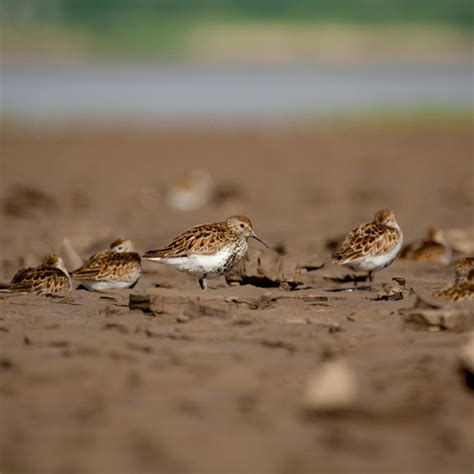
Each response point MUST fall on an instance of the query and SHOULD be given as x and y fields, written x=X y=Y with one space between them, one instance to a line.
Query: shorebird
x=373 y=246
x=434 y=248
x=118 y=267
x=46 y=279
x=208 y=250
x=463 y=287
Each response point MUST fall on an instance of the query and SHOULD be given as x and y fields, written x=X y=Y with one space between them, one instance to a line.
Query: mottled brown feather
x=457 y=292
x=428 y=251
x=463 y=287
x=433 y=248
x=464 y=270
x=204 y=239
x=108 y=265
x=41 y=280
x=370 y=239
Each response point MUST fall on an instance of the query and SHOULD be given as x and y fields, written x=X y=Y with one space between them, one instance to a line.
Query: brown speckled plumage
x=208 y=249
x=457 y=292
x=48 y=278
x=204 y=239
x=117 y=265
x=108 y=265
x=464 y=270
x=463 y=287
x=370 y=240
x=434 y=248
x=373 y=246
x=366 y=240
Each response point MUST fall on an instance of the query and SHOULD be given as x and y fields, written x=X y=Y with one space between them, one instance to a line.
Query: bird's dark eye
x=242 y=226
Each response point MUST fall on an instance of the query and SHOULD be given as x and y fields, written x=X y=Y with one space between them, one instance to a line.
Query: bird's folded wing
x=105 y=264
x=366 y=240
x=203 y=240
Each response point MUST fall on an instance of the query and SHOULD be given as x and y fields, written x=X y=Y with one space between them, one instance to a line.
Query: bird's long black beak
x=256 y=237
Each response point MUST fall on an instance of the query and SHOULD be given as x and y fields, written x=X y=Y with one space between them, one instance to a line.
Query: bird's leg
x=370 y=276
x=203 y=283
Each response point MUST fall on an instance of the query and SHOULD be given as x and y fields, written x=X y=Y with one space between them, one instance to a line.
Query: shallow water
x=170 y=94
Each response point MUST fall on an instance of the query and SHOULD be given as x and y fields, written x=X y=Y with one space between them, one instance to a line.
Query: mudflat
x=167 y=378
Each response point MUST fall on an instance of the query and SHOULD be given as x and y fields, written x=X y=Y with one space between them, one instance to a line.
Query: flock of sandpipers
x=212 y=250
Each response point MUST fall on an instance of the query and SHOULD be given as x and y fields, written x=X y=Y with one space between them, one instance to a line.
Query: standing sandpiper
x=373 y=246
x=208 y=250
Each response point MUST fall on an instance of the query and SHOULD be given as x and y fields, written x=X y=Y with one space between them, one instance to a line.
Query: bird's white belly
x=112 y=284
x=106 y=285
x=200 y=265
x=375 y=263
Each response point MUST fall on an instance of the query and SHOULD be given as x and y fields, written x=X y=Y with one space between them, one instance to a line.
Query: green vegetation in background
x=423 y=114
x=94 y=12
x=162 y=26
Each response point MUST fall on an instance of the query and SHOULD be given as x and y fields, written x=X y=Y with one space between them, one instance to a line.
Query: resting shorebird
x=118 y=267
x=463 y=286
x=46 y=279
x=435 y=248
x=208 y=250
x=373 y=246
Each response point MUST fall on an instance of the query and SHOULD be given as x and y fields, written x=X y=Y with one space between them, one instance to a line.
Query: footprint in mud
x=121 y=328
x=6 y=363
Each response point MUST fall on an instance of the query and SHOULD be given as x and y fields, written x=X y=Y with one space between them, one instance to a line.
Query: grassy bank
x=240 y=30
x=245 y=42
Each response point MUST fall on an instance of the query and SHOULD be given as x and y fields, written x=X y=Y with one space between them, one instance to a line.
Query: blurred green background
x=225 y=30
x=171 y=60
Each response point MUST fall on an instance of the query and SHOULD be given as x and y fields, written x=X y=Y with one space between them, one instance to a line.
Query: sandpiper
x=463 y=287
x=192 y=191
x=118 y=267
x=46 y=279
x=373 y=246
x=208 y=250
x=434 y=248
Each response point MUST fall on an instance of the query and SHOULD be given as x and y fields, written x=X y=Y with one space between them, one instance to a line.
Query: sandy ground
x=215 y=382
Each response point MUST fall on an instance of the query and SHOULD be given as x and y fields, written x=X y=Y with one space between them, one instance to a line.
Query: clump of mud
x=270 y=270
